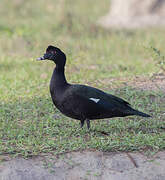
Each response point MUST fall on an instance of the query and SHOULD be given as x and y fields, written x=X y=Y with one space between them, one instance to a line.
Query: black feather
x=76 y=101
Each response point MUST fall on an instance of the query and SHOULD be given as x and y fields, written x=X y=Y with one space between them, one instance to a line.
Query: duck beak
x=41 y=58
x=46 y=56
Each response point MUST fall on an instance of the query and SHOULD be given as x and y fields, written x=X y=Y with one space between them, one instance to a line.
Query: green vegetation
x=94 y=56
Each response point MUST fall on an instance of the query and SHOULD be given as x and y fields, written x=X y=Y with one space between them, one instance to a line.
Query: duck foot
x=88 y=123
x=82 y=123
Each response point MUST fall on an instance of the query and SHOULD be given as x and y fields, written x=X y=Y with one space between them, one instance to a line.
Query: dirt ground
x=155 y=83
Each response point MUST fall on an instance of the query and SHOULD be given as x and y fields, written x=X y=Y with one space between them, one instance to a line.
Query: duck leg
x=82 y=123
x=88 y=123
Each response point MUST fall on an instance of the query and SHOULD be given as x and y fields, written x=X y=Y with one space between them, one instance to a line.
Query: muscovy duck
x=82 y=102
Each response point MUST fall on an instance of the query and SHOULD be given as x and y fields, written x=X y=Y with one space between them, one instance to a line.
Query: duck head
x=54 y=54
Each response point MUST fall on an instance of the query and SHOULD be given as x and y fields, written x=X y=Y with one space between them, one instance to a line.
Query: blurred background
x=95 y=53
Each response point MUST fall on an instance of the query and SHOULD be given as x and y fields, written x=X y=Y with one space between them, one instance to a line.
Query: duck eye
x=54 y=52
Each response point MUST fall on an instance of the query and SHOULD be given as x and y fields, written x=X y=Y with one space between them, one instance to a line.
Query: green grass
x=94 y=56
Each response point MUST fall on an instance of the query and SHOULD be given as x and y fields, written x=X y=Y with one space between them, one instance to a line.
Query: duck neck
x=58 y=77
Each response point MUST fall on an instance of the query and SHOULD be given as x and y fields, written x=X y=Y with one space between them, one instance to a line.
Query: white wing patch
x=95 y=100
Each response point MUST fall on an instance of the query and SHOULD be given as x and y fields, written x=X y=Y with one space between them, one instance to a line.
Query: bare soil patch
x=154 y=83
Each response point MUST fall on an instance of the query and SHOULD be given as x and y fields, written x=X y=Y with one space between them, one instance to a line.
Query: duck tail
x=138 y=113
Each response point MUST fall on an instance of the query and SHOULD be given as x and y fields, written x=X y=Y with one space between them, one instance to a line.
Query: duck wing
x=97 y=96
x=93 y=103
